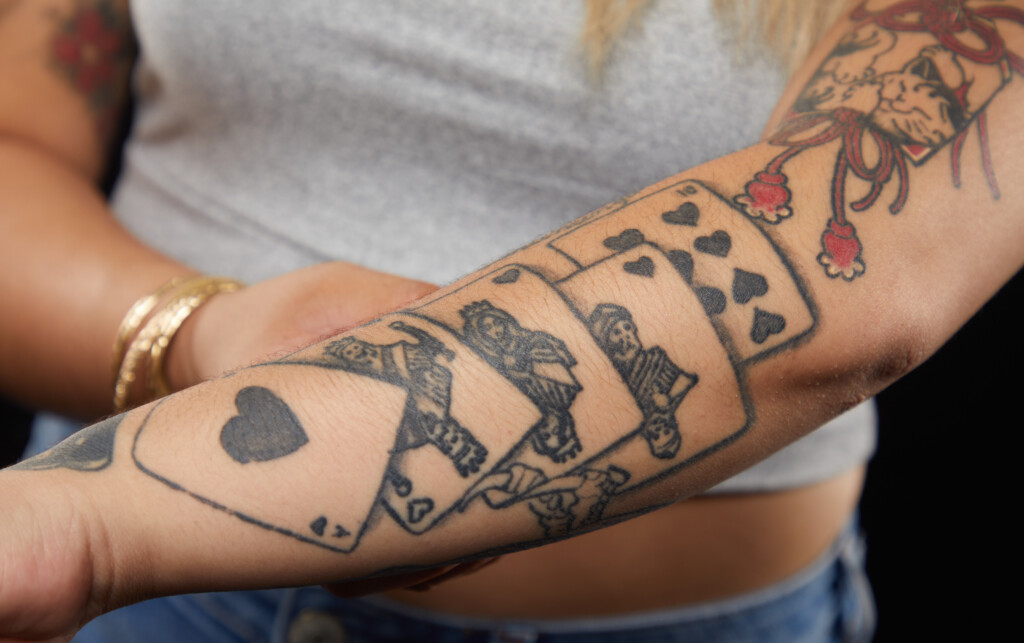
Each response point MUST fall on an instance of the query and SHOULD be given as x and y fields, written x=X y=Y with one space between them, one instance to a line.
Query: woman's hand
x=275 y=317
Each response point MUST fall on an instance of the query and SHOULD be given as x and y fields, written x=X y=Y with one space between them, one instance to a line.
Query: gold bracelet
x=133 y=319
x=153 y=339
x=171 y=319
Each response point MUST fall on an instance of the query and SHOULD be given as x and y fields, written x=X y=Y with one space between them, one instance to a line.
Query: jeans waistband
x=847 y=546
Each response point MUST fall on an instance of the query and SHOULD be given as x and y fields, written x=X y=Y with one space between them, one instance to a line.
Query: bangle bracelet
x=133 y=319
x=155 y=336
x=170 y=320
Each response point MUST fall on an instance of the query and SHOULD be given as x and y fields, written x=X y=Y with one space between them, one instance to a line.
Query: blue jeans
x=829 y=600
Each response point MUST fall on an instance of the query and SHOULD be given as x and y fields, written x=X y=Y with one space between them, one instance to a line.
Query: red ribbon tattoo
x=767 y=197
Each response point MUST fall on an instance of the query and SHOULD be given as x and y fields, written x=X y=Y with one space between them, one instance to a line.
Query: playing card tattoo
x=599 y=396
x=91 y=449
x=416 y=368
x=538 y=364
x=908 y=80
x=742 y=280
x=658 y=385
x=558 y=350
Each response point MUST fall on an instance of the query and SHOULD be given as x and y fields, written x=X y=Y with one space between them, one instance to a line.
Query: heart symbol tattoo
x=319 y=525
x=682 y=261
x=264 y=429
x=507 y=277
x=418 y=508
x=712 y=299
x=686 y=214
x=747 y=285
x=718 y=243
x=765 y=325
x=642 y=266
x=625 y=240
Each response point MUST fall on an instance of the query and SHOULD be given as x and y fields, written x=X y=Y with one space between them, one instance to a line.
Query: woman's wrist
x=150 y=329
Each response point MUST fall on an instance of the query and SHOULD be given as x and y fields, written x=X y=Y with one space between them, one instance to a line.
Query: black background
x=939 y=507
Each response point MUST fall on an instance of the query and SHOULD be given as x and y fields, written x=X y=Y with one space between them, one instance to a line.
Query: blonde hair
x=785 y=29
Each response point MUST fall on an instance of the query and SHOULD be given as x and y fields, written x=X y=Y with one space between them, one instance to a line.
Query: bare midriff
x=704 y=549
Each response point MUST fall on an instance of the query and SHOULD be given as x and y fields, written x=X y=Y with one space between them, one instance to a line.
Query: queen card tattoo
x=542 y=350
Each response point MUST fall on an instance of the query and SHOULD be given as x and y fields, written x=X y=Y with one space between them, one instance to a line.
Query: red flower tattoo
x=767 y=197
x=90 y=49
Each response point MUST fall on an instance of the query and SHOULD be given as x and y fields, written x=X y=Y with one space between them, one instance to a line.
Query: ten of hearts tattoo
x=904 y=83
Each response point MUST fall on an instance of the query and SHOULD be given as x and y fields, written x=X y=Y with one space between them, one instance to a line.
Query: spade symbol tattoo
x=264 y=429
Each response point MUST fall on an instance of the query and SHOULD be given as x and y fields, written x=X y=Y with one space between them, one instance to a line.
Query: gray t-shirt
x=425 y=139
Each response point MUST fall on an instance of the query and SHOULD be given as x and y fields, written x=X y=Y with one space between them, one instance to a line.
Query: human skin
x=921 y=274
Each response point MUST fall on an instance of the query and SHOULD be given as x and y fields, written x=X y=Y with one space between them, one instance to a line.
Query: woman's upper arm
x=63 y=76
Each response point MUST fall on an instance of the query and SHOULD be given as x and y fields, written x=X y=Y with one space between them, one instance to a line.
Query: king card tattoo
x=416 y=367
x=439 y=449
x=677 y=393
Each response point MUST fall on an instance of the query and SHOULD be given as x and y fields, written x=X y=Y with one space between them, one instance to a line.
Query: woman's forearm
x=538 y=398
x=69 y=273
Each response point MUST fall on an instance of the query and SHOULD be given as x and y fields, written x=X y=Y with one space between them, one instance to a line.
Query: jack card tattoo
x=909 y=79
x=416 y=368
x=658 y=385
